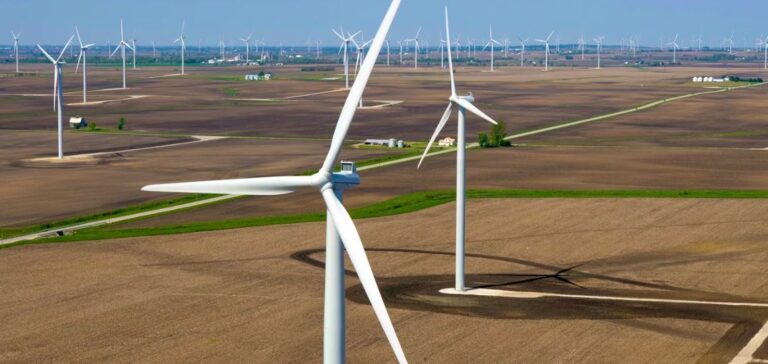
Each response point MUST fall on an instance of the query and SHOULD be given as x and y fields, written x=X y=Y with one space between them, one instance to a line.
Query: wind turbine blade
x=79 y=56
x=264 y=186
x=116 y=49
x=79 y=40
x=353 y=36
x=440 y=126
x=473 y=109
x=338 y=35
x=354 y=247
x=450 y=57
x=65 y=47
x=183 y=25
x=418 y=33
x=46 y=54
x=356 y=92
x=122 y=33
x=550 y=35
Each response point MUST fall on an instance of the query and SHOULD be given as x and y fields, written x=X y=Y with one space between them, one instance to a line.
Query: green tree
x=498 y=133
x=482 y=139
x=92 y=125
x=121 y=123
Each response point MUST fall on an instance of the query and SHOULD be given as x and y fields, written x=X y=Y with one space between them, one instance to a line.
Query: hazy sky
x=295 y=21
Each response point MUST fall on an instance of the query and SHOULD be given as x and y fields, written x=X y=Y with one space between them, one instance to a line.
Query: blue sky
x=295 y=21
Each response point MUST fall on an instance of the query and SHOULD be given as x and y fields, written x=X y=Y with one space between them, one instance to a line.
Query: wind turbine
x=387 y=42
x=59 y=92
x=121 y=46
x=360 y=50
x=582 y=45
x=247 y=42
x=764 y=43
x=16 y=48
x=345 y=48
x=83 y=56
x=546 y=49
x=340 y=226
x=133 y=49
x=522 y=51
x=599 y=43
x=675 y=47
x=464 y=103
x=491 y=43
x=442 y=51
x=415 y=40
x=400 y=43
x=730 y=44
x=183 y=40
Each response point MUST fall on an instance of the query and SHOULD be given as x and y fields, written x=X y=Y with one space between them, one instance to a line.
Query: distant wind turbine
x=121 y=46
x=84 y=57
x=58 y=92
x=675 y=47
x=16 y=48
x=491 y=43
x=599 y=43
x=183 y=43
x=522 y=50
x=247 y=41
x=546 y=49
x=415 y=40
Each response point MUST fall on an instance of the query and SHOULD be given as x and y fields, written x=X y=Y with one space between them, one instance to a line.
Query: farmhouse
x=77 y=122
x=447 y=142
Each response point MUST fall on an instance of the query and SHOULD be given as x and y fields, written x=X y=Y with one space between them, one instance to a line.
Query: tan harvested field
x=256 y=295
x=563 y=168
x=215 y=100
x=726 y=120
x=114 y=180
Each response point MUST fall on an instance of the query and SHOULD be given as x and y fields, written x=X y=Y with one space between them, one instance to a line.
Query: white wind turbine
x=121 y=46
x=582 y=46
x=599 y=43
x=345 y=48
x=183 y=40
x=764 y=44
x=730 y=44
x=83 y=56
x=16 y=48
x=546 y=49
x=247 y=42
x=522 y=50
x=387 y=42
x=675 y=47
x=491 y=43
x=442 y=51
x=341 y=231
x=133 y=49
x=464 y=103
x=415 y=40
x=58 y=92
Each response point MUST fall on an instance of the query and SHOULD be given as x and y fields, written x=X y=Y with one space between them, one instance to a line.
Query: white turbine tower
x=582 y=46
x=340 y=227
x=675 y=47
x=133 y=49
x=730 y=44
x=491 y=43
x=16 y=48
x=121 y=46
x=464 y=103
x=183 y=40
x=442 y=51
x=764 y=44
x=599 y=43
x=84 y=57
x=546 y=49
x=247 y=42
x=59 y=92
x=522 y=50
x=345 y=48
x=415 y=41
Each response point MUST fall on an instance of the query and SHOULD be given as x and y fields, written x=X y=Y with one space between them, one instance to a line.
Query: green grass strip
x=399 y=205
